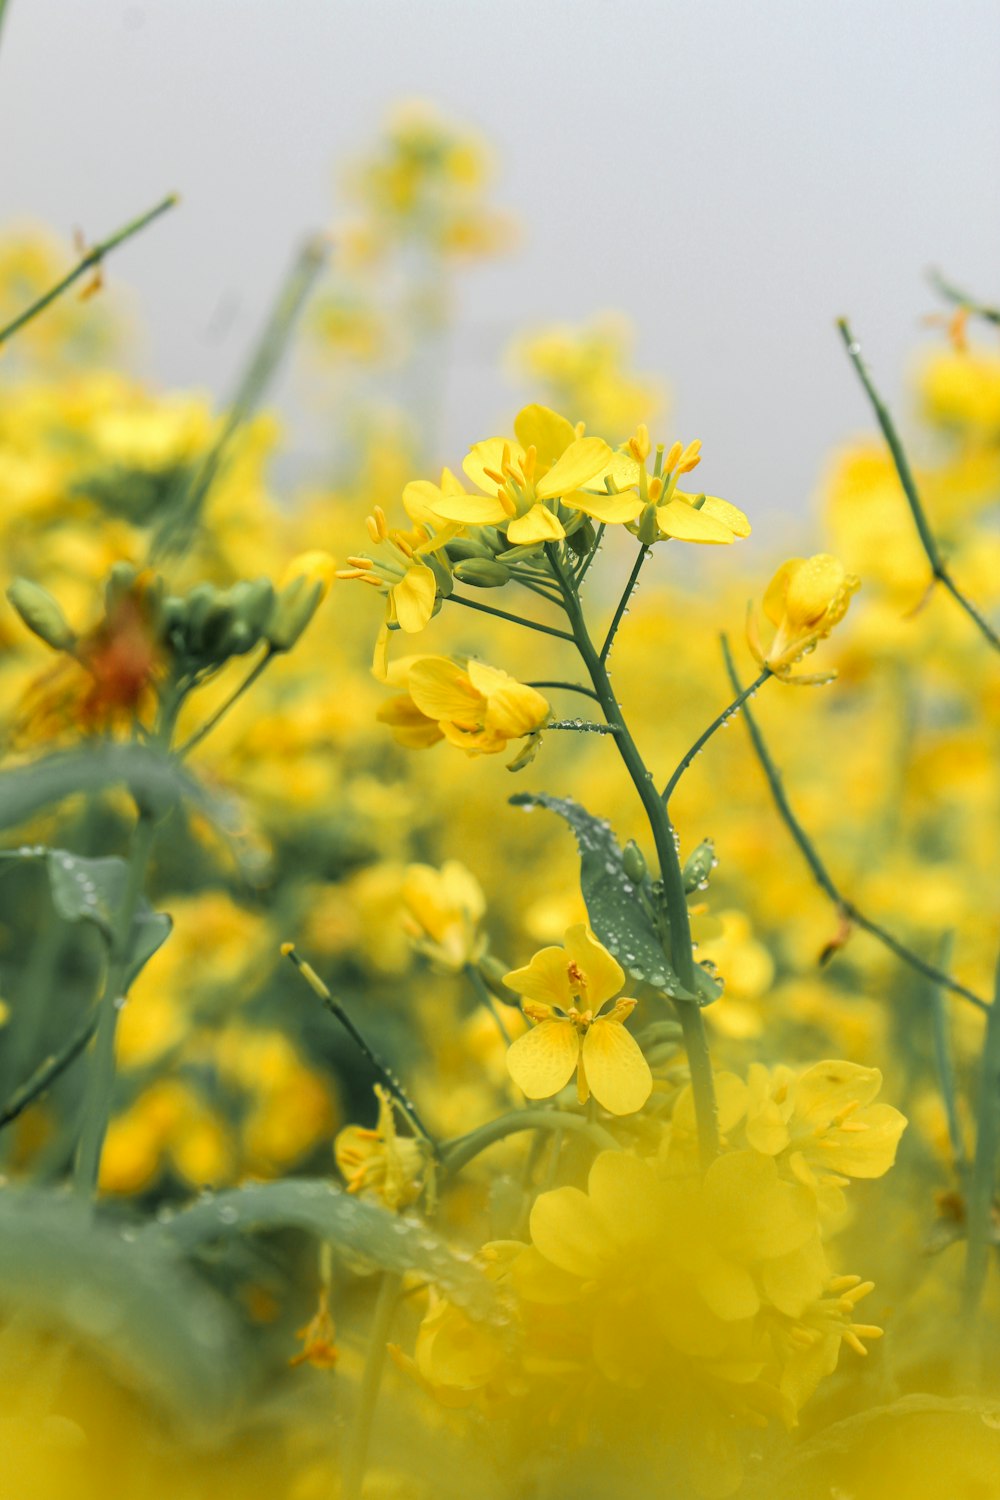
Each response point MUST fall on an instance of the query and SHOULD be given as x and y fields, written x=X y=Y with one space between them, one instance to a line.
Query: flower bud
x=634 y=862
x=482 y=573
x=42 y=614
x=252 y=604
x=583 y=538
x=464 y=547
x=700 y=866
x=295 y=607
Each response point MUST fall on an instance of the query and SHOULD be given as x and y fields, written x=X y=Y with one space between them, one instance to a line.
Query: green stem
x=101 y=1076
x=184 y=511
x=92 y=258
x=371 y=1380
x=386 y=1074
x=502 y=614
x=47 y=1072
x=585 y=565
x=818 y=869
x=928 y=541
x=946 y=1064
x=486 y=999
x=682 y=953
x=952 y=293
x=234 y=697
x=458 y=1153
x=633 y=579
x=571 y=687
x=982 y=1187
x=723 y=718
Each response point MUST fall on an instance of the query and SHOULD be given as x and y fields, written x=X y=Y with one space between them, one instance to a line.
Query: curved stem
x=821 y=874
x=571 y=687
x=458 y=1153
x=92 y=258
x=502 y=614
x=952 y=293
x=717 y=723
x=633 y=579
x=682 y=953
x=485 y=999
x=928 y=541
x=47 y=1072
x=223 y=709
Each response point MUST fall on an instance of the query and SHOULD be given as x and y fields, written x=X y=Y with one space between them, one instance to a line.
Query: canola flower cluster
x=559 y=1173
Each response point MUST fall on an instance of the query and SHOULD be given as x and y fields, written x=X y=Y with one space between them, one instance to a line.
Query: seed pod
x=634 y=861
x=42 y=614
x=482 y=573
x=699 y=867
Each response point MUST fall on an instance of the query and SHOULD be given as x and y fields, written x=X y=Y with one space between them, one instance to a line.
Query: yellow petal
x=680 y=520
x=612 y=509
x=865 y=1145
x=728 y=514
x=544 y=1060
x=512 y=709
x=471 y=510
x=774 y=598
x=753 y=1213
x=829 y=1087
x=626 y=1192
x=413 y=597
x=441 y=690
x=623 y=471
x=566 y=1229
x=584 y=458
x=545 y=978
x=728 y=1289
x=812 y=588
x=550 y=433
x=408 y=724
x=539 y=525
x=603 y=974
x=489 y=455
x=617 y=1073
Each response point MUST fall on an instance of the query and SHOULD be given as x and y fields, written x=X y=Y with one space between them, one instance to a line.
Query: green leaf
x=156 y=781
x=130 y=1298
x=92 y=890
x=364 y=1229
x=617 y=913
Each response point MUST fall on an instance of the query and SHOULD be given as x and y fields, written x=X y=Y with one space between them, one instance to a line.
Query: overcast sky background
x=732 y=174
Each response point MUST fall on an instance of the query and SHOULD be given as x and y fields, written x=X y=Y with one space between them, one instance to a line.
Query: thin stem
x=3 y=12
x=47 y=1072
x=224 y=708
x=952 y=293
x=946 y=1064
x=501 y=614
x=571 y=687
x=101 y=1076
x=633 y=579
x=682 y=953
x=92 y=258
x=486 y=999
x=386 y=1074
x=821 y=874
x=371 y=1380
x=184 y=511
x=585 y=566
x=717 y=723
x=458 y=1153
x=928 y=540
x=984 y=1167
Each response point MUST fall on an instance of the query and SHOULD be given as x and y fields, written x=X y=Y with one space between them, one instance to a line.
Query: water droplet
x=228 y=1213
x=854 y=348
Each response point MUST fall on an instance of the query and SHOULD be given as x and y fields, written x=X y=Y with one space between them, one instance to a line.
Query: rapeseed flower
x=477 y=707
x=565 y=990
x=805 y=599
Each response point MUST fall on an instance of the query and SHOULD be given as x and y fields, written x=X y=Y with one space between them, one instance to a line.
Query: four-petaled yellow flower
x=565 y=989
x=477 y=707
x=663 y=510
x=805 y=599
x=533 y=488
x=407 y=572
x=444 y=912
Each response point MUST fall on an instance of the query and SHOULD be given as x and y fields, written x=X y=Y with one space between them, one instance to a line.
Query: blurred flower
x=380 y=1163
x=444 y=910
x=805 y=599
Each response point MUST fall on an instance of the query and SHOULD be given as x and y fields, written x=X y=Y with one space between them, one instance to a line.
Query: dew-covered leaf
x=155 y=780
x=366 y=1230
x=147 y=1317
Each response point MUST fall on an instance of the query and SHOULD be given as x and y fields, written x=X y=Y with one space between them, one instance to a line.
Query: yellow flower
x=477 y=707
x=319 y=1338
x=533 y=487
x=444 y=909
x=379 y=1163
x=409 y=580
x=805 y=599
x=663 y=509
x=565 y=989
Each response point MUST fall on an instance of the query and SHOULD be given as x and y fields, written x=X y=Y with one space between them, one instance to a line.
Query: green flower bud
x=252 y=604
x=464 y=547
x=648 y=527
x=482 y=573
x=42 y=614
x=295 y=607
x=634 y=862
x=442 y=575
x=583 y=538
x=119 y=582
x=700 y=866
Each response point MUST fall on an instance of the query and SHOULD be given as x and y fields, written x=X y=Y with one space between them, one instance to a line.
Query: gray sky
x=732 y=174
